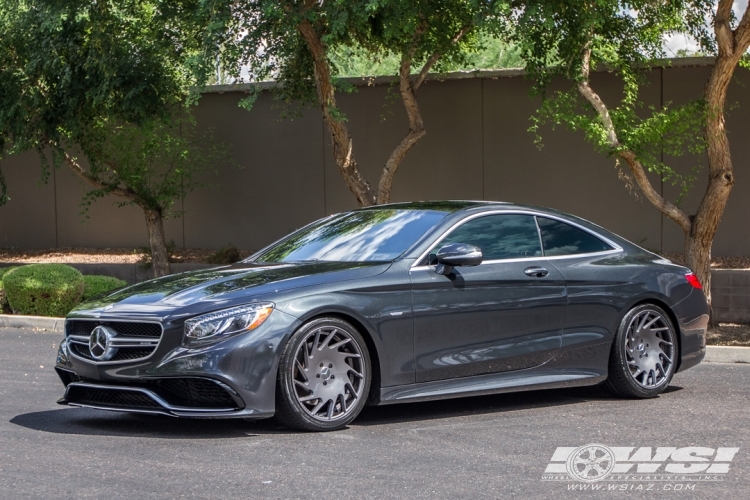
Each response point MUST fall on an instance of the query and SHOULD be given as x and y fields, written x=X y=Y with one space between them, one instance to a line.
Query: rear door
x=505 y=314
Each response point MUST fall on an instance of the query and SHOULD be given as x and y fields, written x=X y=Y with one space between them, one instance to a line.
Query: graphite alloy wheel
x=644 y=353
x=324 y=376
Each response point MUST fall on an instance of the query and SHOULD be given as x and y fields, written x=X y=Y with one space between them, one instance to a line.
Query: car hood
x=198 y=291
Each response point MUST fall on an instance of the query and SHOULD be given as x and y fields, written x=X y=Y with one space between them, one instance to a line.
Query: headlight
x=62 y=352
x=219 y=325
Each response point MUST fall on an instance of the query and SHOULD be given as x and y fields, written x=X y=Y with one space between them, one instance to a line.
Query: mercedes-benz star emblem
x=99 y=344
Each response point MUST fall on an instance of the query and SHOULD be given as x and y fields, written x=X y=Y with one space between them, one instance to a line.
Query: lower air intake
x=110 y=398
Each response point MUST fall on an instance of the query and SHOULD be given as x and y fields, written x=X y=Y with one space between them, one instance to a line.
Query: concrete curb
x=727 y=354
x=52 y=325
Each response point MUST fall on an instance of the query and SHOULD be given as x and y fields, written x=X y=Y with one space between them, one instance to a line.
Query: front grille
x=128 y=353
x=123 y=328
x=81 y=350
x=78 y=332
x=122 y=354
x=113 y=398
x=195 y=393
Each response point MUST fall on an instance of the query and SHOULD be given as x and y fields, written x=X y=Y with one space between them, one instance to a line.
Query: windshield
x=367 y=235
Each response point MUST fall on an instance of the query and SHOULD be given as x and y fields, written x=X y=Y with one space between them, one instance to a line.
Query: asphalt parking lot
x=483 y=447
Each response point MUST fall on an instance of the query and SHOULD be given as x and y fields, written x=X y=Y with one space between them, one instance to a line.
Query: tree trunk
x=340 y=138
x=159 y=255
x=698 y=259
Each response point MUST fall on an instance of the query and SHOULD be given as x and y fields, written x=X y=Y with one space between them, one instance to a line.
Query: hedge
x=97 y=285
x=43 y=289
x=4 y=307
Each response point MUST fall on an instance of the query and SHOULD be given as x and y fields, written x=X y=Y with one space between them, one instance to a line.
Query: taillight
x=693 y=280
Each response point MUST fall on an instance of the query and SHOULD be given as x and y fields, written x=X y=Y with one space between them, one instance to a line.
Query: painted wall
x=477 y=147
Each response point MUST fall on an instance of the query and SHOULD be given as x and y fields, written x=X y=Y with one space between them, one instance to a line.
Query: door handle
x=536 y=272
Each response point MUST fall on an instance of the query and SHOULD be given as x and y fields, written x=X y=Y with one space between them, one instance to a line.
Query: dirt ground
x=102 y=255
x=730 y=334
x=716 y=262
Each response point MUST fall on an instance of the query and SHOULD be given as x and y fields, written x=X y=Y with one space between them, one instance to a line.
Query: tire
x=319 y=387
x=644 y=353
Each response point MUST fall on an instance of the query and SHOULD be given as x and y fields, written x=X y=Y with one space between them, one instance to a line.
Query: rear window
x=560 y=238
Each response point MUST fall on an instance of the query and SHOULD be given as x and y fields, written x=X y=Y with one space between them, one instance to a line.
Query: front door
x=505 y=314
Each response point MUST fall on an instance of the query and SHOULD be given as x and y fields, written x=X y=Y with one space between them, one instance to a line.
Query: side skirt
x=569 y=368
x=493 y=383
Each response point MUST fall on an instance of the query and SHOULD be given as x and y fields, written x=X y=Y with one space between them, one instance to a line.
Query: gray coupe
x=388 y=304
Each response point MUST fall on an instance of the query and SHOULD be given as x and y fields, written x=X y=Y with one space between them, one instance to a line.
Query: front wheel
x=324 y=376
x=644 y=353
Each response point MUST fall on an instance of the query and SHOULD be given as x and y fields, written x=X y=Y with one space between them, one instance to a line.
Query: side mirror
x=457 y=254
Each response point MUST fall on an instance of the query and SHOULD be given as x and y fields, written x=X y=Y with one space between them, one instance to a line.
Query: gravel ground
x=716 y=262
x=102 y=255
x=730 y=334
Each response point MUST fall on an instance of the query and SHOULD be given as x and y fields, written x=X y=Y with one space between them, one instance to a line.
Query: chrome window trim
x=615 y=247
x=539 y=234
x=79 y=340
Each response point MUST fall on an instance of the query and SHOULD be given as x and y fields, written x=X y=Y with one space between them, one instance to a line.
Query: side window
x=563 y=239
x=498 y=236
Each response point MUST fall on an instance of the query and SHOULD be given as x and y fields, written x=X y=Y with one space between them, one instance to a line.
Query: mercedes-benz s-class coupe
x=388 y=304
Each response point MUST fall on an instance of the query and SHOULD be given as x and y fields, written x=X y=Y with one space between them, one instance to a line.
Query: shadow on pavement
x=105 y=423
x=86 y=421
x=478 y=405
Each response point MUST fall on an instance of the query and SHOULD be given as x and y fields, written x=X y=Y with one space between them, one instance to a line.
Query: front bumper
x=235 y=378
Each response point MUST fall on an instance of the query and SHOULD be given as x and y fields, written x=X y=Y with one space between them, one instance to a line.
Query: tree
x=570 y=38
x=295 y=43
x=151 y=166
x=94 y=78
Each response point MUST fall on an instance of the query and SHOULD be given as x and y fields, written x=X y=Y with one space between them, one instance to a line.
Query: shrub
x=4 y=307
x=226 y=255
x=43 y=289
x=96 y=285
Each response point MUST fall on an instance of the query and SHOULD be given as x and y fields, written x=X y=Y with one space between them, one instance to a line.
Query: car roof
x=455 y=207
x=452 y=206
x=449 y=206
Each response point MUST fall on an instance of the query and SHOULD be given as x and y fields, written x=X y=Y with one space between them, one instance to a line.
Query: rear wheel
x=644 y=353
x=324 y=376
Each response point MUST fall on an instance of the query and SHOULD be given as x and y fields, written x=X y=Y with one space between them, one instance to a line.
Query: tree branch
x=94 y=181
x=408 y=90
x=434 y=58
x=416 y=128
x=742 y=33
x=636 y=168
x=723 y=28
